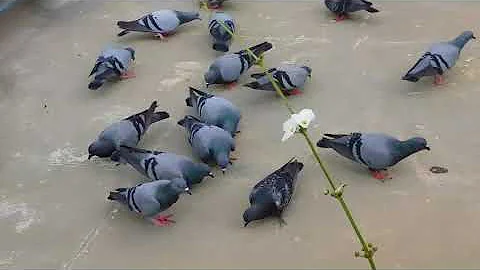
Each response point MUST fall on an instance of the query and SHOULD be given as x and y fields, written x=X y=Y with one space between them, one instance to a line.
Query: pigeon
x=160 y=23
x=210 y=143
x=227 y=69
x=151 y=198
x=290 y=78
x=375 y=151
x=272 y=195
x=439 y=57
x=158 y=165
x=221 y=37
x=214 y=110
x=342 y=7
x=215 y=4
x=126 y=132
x=112 y=64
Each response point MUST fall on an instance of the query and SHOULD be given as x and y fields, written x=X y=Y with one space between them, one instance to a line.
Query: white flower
x=289 y=128
x=304 y=117
x=297 y=120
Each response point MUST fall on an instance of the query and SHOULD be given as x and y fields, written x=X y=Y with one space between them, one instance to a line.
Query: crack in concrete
x=88 y=240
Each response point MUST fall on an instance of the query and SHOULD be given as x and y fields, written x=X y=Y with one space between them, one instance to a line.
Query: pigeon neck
x=185 y=17
x=406 y=148
x=461 y=40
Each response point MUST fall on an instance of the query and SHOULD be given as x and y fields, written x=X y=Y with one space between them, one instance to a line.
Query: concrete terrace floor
x=53 y=208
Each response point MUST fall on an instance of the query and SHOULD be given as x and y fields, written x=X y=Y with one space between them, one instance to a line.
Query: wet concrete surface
x=53 y=208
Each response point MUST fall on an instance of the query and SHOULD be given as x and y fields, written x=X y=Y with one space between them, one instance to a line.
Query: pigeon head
x=132 y=52
x=410 y=146
x=223 y=159
x=463 y=38
x=257 y=212
x=100 y=148
x=194 y=174
x=179 y=185
x=308 y=69
x=95 y=84
x=212 y=76
x=230 y=125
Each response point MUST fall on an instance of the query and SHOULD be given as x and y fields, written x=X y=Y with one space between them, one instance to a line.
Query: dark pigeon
x=272 y=195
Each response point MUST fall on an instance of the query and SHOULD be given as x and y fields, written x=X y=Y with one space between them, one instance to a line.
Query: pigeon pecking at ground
x=158 y=165
x=209 y=143
x=376 y=151
x=227 y=69
x=126 y=132
x=272 y=195
x=439 y=58
x=290 y=78
x=220 y=36
x=160 y=23
x=341 y=8
x=214 y=110
x=215 y=4
x=112 y=64
x=152 y=198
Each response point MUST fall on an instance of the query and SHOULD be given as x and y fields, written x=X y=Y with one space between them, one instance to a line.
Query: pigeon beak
x=211 y=175
x=245 y=224
x=427 y=148
x=474 y=37
x=187 y=190
x=224 y=170
x=90 y=156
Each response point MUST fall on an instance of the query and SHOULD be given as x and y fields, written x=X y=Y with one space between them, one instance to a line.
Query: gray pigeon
x=439 y=57
x=149 y=199
x=227 y=69
x=289 y=78
x=374 y=150
x=272 y=195
x=210 y=143
x=221 y=37
x=112 y=64
x=341 y=8
x=158 y=165
x=214 y=110
x=160 y=23
x=126 y=132
x=215 y=4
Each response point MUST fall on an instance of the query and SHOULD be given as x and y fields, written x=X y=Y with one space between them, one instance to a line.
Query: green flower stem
x=368 y=250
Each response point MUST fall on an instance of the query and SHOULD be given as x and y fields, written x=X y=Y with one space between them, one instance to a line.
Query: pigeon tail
x=292 y=167
x=123 y=33
x=372 y=10
x=261 y=48
x=118 y=195
x=132 y=26
x=158 y=116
